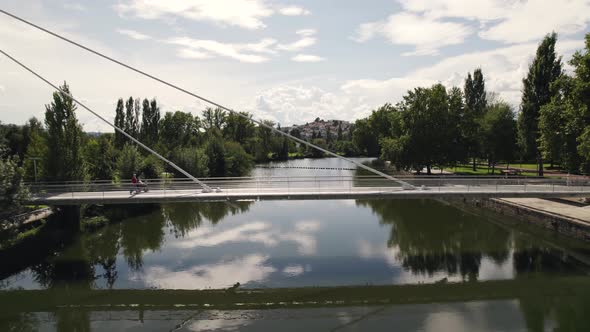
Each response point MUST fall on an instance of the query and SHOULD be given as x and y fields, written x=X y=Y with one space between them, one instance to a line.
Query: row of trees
x=439 y=126
x=563 y=132
x=444 y=127
x=215 y=144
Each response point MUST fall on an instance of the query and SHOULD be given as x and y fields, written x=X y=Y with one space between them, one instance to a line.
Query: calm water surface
x=273 y=244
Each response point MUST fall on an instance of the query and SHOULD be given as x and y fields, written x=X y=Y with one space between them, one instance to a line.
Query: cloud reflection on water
x=250 y=268
x=260 y=232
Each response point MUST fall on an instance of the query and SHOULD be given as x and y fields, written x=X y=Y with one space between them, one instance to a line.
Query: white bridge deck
x=305 y=188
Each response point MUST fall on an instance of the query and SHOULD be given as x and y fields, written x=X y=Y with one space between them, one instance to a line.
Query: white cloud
x=306 y=32
x=263 y=46
x=187 y=53
x=367 y=31
x=503 y=68
x=293 y=270
x=289 y=104
x=469 y=9
x=533 y=19
x=307 y=58
x=242 y=13
x=250 y=52
x=74 y=6
x=425 y=33
x=510 y=21
x=307 y=39
x=201 y=49
x=379 y=92
x=294 y=11
x=133 y=34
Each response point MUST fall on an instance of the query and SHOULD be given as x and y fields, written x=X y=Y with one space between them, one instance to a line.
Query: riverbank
x=566 y=218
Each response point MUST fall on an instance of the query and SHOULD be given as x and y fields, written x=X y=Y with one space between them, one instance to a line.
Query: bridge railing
x=312 y=184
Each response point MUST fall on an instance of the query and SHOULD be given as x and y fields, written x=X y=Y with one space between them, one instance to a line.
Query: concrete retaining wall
x=558 y=223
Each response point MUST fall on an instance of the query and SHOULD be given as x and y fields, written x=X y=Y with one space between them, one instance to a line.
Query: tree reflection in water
x=87 y=258
x=432 y=237
x=185 y=217
x=21 y=322
x=77 y=265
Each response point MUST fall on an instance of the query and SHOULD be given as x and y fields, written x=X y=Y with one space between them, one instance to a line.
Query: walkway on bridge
x=297 y=188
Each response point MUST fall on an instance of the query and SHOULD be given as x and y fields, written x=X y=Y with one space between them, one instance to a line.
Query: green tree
x=584 y=146
x=458 y=149
x=563 y=122
x=284 y=152
x=215 y=150
x=130 y=118
x=15 y=139
x=99 y=154
x=383 y=122
x=151 y=167
x=427 y=130
x=193 y=160
x=150 y=122
x=499 y=132
x=214 y=118
x=120 y=139
x=64 y=160
x=129 y=162
x=137 y=114
x=552 y=127
x=239 y=129
x=237 y=161
x=543 y=71
x=37 y=148
x=314 y=153
x=475 y=105
x=12 y=191
x=365 y=139
x=295 y=132
x=263 y=143
x=179 y=129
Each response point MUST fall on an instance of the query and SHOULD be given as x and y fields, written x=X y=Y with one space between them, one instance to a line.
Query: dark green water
x=298 y=243
x=276 y=244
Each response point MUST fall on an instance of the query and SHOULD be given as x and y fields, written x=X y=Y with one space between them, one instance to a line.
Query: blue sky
x=288 y=61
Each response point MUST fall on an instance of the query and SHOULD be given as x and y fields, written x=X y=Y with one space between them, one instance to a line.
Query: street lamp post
x=34 y=159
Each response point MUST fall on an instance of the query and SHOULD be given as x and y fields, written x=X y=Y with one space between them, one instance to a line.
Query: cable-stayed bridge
x=299 y=188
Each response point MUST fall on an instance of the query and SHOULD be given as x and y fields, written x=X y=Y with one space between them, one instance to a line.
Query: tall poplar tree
x=536 y=92
x=145 y=119
x=137 y=115
x=64 y=160
x=120 y=123
x=130 y=120
x=475 y=105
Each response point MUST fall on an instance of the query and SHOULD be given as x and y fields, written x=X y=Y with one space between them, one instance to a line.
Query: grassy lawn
x=468 y=170
x=528 y=166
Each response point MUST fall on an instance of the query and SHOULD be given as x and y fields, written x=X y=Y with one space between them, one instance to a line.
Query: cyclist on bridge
x=138 y=185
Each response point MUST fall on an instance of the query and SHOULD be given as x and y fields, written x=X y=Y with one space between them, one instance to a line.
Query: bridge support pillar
x=71 y=216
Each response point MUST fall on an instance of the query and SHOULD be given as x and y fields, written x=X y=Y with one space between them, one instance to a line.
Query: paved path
x=562 y=209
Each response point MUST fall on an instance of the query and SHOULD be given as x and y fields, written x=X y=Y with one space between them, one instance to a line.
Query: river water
x=278 y=244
